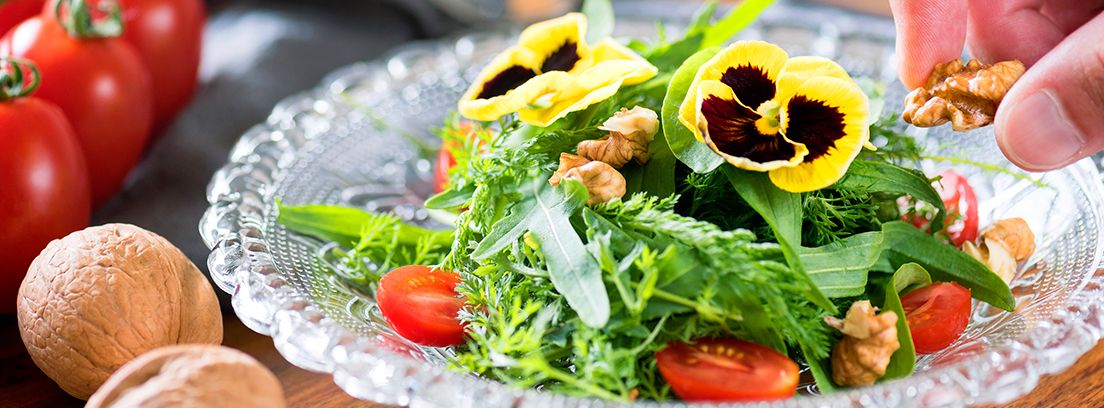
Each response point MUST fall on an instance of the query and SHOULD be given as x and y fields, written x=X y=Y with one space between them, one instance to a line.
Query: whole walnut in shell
x=191 y=375
x=99 y=297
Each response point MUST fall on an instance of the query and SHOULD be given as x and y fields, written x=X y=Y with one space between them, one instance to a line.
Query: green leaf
x=572 y=270
x=450 y=198
x=681 y=140
x=782 y=212
x=600 y=19
x=875 y=176
x=905 y=243
x=908 y=275
x=821 y=370
x=734 y=22
x=343 y=224
x=840 y=269
x=658 y=175
x=703 y=17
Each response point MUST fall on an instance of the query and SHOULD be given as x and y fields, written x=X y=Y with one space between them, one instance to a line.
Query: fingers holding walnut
x=966 y=95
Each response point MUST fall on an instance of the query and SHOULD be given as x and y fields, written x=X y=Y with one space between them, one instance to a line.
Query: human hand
x=1052 y=116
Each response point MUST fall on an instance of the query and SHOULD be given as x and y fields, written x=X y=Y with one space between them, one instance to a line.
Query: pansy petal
x=516 y=99
x=800 y=69
x=750 y=68
x=560 y=42
x=610 y=49
x=829 y=116
x=588 y=87
x=728 y=127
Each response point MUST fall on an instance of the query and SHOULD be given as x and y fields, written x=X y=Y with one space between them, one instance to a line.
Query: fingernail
x=1037 y=135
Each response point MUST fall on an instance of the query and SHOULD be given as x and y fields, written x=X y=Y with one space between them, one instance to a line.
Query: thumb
x=1054 y=115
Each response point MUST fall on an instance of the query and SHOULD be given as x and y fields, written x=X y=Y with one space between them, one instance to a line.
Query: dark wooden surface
x=23 y=385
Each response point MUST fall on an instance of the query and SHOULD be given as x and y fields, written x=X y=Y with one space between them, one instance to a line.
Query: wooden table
x=23 y=385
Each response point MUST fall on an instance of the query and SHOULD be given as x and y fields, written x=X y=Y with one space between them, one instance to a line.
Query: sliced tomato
x=421 y=304
x=961 y=202
x=937 y=314
x=726 y=370
x=961 y=223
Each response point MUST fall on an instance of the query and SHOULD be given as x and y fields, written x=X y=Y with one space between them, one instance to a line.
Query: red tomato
x=13 y=12
x=937 y=315
x=168 y=35
x=44 y=184
x=726 y=370
x=445 y=162
x=102 y=87
x=421 y=304
x=961 y=223
x=961 y=203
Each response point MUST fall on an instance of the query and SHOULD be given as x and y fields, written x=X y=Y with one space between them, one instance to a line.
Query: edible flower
x=552 y=72
x=802 y=119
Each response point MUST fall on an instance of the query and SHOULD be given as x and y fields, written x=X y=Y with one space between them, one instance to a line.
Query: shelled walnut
x=966 y=95
x=603 y=182
x=1002 y=246
x=869 y=339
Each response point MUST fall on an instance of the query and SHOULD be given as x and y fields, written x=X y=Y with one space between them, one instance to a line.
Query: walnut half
x=966 y=95
x=603 y=182
x=869 y=339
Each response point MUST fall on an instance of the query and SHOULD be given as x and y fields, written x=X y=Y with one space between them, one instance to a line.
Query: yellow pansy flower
x=552 y=72
x=801 y=119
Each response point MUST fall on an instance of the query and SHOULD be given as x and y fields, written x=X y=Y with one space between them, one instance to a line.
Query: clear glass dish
x=354 y=140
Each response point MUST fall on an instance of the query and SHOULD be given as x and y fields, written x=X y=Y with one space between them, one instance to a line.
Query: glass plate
x=354 y=141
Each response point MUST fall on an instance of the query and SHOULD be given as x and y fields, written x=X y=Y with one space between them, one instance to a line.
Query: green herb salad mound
x=577 y=299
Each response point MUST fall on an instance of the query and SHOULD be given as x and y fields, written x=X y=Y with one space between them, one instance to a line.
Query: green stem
x=18 y=78
x=80 y=20
x=679 y=300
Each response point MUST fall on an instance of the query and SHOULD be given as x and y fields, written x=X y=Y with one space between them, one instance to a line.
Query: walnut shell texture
x=191 y=375
x=98 y=298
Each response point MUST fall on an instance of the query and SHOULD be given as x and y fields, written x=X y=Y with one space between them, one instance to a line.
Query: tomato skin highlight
x=45 y=193
x=937 y=314
x=421 y=304
x=13 y=12
x=961 y=202
x=724 y=370
x=168 y=36
x=103 y=89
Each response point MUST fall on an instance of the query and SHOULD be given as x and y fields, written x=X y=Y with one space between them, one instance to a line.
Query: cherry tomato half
x=168 y=35
x=421 y=304
x=13 y=12
x=962 y=209
x=44 y=184
x=726 y=370
x=445 y=162
x=937 y=314
x=102 y=87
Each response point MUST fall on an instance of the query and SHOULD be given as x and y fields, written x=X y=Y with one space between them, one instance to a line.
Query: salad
x=690 y=218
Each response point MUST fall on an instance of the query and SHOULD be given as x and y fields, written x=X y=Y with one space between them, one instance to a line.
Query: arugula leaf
x=821 y=369
x=344 y=224
x=681 y=140
x=450 y=198
x=782 y=212
x=668 y=56
x=908 y=275
x=600 y=19
x=875 y=176
x=572 y=270
x=840 y=268
x=906 y=243
x=735 y=21
x=658 y=175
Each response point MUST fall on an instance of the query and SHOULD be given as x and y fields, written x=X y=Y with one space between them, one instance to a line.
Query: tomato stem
x=18 y=78
x=90 y=18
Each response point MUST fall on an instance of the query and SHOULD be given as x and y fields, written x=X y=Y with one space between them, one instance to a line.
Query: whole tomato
x=97 y=80
x=13 y=12
x=44 y=184
x=168 y=35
